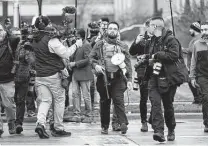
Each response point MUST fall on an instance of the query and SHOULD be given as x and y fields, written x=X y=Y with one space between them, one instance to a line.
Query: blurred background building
x=126 y=12
x=92 y=10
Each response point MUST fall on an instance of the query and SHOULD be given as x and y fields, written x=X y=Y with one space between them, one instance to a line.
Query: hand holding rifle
x=99 y=69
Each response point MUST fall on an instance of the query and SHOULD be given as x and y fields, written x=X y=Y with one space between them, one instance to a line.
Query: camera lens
x=156 y=68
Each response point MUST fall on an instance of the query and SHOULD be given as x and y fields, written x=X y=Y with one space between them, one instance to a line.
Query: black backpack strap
x=152 y=42
x=15 y=56
x=10 y=49
x=180 y=47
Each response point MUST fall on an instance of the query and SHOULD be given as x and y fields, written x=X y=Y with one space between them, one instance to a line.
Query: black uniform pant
x=21 y=97
x=116 y=91
x=203 y=83
x=92 y=91
x=21 y=89
x=30 y=100
x=115 y=117
x=67 y=95
x=143 y=85
x=157 y=115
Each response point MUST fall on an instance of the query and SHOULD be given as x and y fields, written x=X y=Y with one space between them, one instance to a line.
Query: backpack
x=176 y=72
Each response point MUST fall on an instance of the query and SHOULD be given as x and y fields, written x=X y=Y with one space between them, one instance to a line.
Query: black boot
x=11 y=126
x=19 y=128
x=104 y=131
x=159 y=137
x=144 y=127
x=56 y=133
x=60 y=133
x=124 y=128
x=40 y=130
x=206 y=129
x=52 y=126
x=171 y=135
x=116 y=126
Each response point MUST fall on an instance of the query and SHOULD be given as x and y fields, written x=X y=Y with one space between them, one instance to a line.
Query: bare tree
x=191 y=13
x=83 y=9
x=133 y=16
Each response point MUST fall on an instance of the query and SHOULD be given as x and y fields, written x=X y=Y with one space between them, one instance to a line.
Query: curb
x=183 y=109
x=179 y=107
x=130 y=116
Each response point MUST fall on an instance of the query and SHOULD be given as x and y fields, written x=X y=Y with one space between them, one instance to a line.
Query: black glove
x=159 y=54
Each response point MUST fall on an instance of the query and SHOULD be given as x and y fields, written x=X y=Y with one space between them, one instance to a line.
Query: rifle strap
x=10 y=49
x=101 y=52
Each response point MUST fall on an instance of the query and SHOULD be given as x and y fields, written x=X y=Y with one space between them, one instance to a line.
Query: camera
x=71 y=39
x=68 y=36
x=136 y=82
x=141 y=60
x=32 y=80
x=94 y=27
x=157 y=68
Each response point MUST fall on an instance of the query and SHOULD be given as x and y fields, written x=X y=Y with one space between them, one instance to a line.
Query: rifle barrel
x=171 y=11
x=104 y=74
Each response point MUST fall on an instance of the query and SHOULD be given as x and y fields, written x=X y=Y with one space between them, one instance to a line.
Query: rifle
x=106 y=83
x=16 y=57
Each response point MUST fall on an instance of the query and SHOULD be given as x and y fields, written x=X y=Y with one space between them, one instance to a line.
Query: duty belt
x=113 y=75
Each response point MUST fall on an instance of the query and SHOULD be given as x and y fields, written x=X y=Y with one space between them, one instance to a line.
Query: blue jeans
x=77 y=87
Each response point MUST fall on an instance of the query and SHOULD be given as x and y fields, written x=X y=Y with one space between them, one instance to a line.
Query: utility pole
x=171 y=11
x=75 y=23
x=16 y=16
x=5 y=10
x=39 y=7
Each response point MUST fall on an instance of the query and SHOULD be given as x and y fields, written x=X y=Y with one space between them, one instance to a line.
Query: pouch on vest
x=163 y=85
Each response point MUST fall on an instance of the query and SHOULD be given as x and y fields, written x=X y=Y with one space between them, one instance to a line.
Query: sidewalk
x=188 y=132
